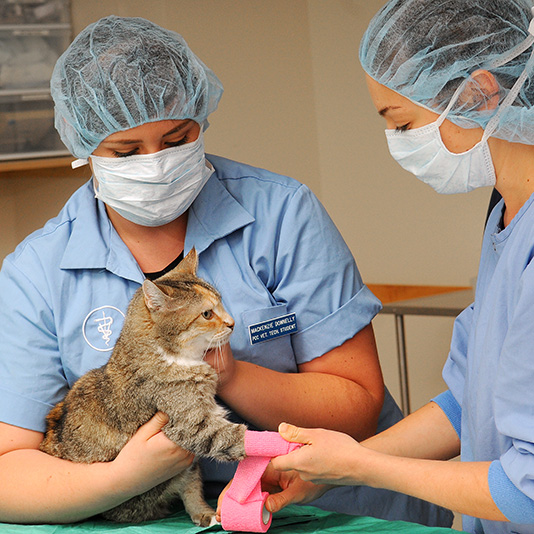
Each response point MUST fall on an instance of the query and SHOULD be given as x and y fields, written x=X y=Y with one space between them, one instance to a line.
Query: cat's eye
x=208 y=314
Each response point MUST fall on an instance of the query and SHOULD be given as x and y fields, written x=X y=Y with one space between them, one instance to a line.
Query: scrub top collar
x=108 y=251
x=498 y=237
x=214 y=214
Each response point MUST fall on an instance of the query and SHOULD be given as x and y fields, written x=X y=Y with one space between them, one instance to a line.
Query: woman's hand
x=285 y=488
x=61 y=491
x=149 y=458
x=222 y=360
x=327 y=457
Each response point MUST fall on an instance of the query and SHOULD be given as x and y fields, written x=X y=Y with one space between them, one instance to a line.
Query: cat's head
x=187 y=315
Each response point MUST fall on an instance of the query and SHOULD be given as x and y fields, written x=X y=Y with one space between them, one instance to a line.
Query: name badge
x=273 y=328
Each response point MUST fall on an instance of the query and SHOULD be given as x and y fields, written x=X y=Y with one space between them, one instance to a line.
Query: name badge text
x=273 y=328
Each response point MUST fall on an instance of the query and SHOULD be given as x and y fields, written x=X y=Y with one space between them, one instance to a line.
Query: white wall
x=295 y=102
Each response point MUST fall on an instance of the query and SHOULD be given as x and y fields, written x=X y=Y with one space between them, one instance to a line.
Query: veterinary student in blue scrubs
x=454 y=82
x=132 y=99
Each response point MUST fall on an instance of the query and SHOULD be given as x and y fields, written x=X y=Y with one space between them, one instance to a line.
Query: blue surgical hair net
x=425 y=50
x=119 y=73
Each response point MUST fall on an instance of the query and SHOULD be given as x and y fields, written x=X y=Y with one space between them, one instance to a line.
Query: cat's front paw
x=226 y=444
x=205 y=519
x=234 y=450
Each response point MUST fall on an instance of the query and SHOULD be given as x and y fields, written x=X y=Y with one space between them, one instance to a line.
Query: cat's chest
x=186 y=358
x=169 y=366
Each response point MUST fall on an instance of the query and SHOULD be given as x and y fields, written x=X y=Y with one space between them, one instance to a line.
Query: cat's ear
x=190 y=263
x=155 y=299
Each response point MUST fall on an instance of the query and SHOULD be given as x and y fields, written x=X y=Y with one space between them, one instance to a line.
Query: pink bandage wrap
x=243 y=505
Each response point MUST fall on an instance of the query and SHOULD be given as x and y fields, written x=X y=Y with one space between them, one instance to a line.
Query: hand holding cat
x=149 y=458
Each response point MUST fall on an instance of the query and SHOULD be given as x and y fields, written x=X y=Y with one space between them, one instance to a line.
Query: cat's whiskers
x=216 y=344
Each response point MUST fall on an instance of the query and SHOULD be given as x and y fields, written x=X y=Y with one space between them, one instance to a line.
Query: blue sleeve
x=512 y=502
x=455 y=366
x=31 y=373
x=318 y=276
x=452 y=410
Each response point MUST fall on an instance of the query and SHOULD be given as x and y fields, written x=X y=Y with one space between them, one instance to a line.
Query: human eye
x=171 y=144
x=182 y=141
x=118 y=154
x=402 y=128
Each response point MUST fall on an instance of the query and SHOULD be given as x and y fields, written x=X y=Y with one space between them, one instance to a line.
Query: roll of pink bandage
x=243 y=505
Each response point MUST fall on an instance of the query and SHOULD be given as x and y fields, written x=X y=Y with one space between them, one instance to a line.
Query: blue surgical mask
x=153 y=189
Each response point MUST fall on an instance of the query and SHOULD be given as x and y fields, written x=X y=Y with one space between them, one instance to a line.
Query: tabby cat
x=156 y=365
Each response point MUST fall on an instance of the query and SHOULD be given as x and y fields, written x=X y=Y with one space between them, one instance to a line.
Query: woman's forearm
x=38 y=488
x=426 y=433
x=334 y=458
x=459 y=486
x=342 y=390
x=266 y=398
x=408 y=460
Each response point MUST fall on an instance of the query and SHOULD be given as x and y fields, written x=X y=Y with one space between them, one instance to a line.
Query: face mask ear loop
x=514 y=91
x=79 y=163
x=499 y=62
x=509 y=99
x=452 y=101
x=95 y=190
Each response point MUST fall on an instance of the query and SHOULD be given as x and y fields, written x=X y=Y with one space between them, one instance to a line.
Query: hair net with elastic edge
x=425 y=50
x=119 y=73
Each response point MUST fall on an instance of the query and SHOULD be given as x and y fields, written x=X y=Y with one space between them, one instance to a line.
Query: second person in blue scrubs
x=453 y=81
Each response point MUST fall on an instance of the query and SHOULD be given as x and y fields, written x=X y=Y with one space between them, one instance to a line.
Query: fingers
x=294 y=434
x=219 y=501
x=296 y=491
x=277 y=501
x=153 y=426
x=151 y=433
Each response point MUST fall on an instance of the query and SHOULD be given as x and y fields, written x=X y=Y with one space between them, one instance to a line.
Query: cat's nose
x=230 y=323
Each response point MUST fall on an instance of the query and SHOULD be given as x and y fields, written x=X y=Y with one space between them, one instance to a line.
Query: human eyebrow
x=387 y=109
x=180 y=127
x=121 y=141
x=183 y=126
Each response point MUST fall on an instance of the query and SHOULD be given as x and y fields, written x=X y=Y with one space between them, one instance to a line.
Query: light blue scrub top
x=490 y=372
x=263 y=240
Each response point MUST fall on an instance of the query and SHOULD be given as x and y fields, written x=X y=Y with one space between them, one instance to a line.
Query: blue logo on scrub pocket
x=273 y=328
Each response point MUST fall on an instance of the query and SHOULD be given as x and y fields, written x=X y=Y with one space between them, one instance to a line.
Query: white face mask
x=153 y=189
x=421 y=151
